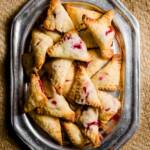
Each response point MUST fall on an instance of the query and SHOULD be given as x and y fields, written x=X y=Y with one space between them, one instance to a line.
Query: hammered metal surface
x=129 y=30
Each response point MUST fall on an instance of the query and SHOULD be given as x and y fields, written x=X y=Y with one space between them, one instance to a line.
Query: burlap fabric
x=141 y=9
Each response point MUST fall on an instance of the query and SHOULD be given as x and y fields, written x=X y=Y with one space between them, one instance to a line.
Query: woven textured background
x=141 y=9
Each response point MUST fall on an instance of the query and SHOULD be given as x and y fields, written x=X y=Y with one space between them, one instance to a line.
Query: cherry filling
x=94 y=123
x=85 y=92
x=101 y=77
x=84 y=89
x=41 y=83
x=116 y=117
x=78 y=45
x=54 y=102
x=109 y=31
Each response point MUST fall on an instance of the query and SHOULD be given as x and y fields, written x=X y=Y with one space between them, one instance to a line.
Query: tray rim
x=136 y=28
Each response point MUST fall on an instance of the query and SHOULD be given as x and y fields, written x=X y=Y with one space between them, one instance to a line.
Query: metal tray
x=128 y=27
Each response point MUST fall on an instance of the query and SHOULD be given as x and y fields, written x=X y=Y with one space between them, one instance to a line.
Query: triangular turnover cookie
x=70 y=46
x=83 y=91
x=74 y=134
x=103 y=32
x=76 y=13
x=108 y=78
x=110 y=106
x=87 y=37
x=49 y=124
x=36 y=96
x=40 y=44
x=58 y=70
x=90 y=124
x=95 y=63
x=57 y=18
x=57 y=106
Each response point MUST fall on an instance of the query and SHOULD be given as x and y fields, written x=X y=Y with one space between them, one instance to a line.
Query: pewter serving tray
x=128 y=28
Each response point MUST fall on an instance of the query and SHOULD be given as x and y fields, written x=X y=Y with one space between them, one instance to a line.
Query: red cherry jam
x=41 y=83
x=54 y=102
x=109 y=30
x=94 y=123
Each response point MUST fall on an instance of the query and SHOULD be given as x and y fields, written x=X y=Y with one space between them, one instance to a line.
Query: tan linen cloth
x=141 y=9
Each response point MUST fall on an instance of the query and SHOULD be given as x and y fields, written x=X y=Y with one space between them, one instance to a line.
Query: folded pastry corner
x=53 y=34
x=57 y=106
x=110 y=106
x=57 y=18
x=103 y=32
x=58 y=70
x=36 y=96
x=76 y=13
x=49 y=124
x=27 y=61
x=83 y=91
x=108 y=78
x=87 y=37
x=40 y=44
x=95 y=64
x=70 y=46
x=74 y=134
x=90 y=125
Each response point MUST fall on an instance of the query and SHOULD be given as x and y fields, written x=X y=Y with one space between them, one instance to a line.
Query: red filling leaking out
x=78 y=45
x=116 y=117
x=86 y=92
x=109 y=31
x=54 y=102
x=84 y=89
x=41 y=83
x=101 y=77
x=94 y=123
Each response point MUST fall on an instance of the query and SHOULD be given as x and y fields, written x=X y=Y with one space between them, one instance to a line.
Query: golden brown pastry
x=27 y=60
x=74 y=134
x=108 y=78
x=54 y=35
x=36 y=97
x=90 y=124
x=96 y=62
x=76 y=13
x=83 y=91
x=57 y=106
x=87 y=37
x=71 y=47
x=69 y=80
x=49 y=124
x=103 y=32
x=58 y=70
x=57 y=18
x=40 y=44
x=110 y=106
